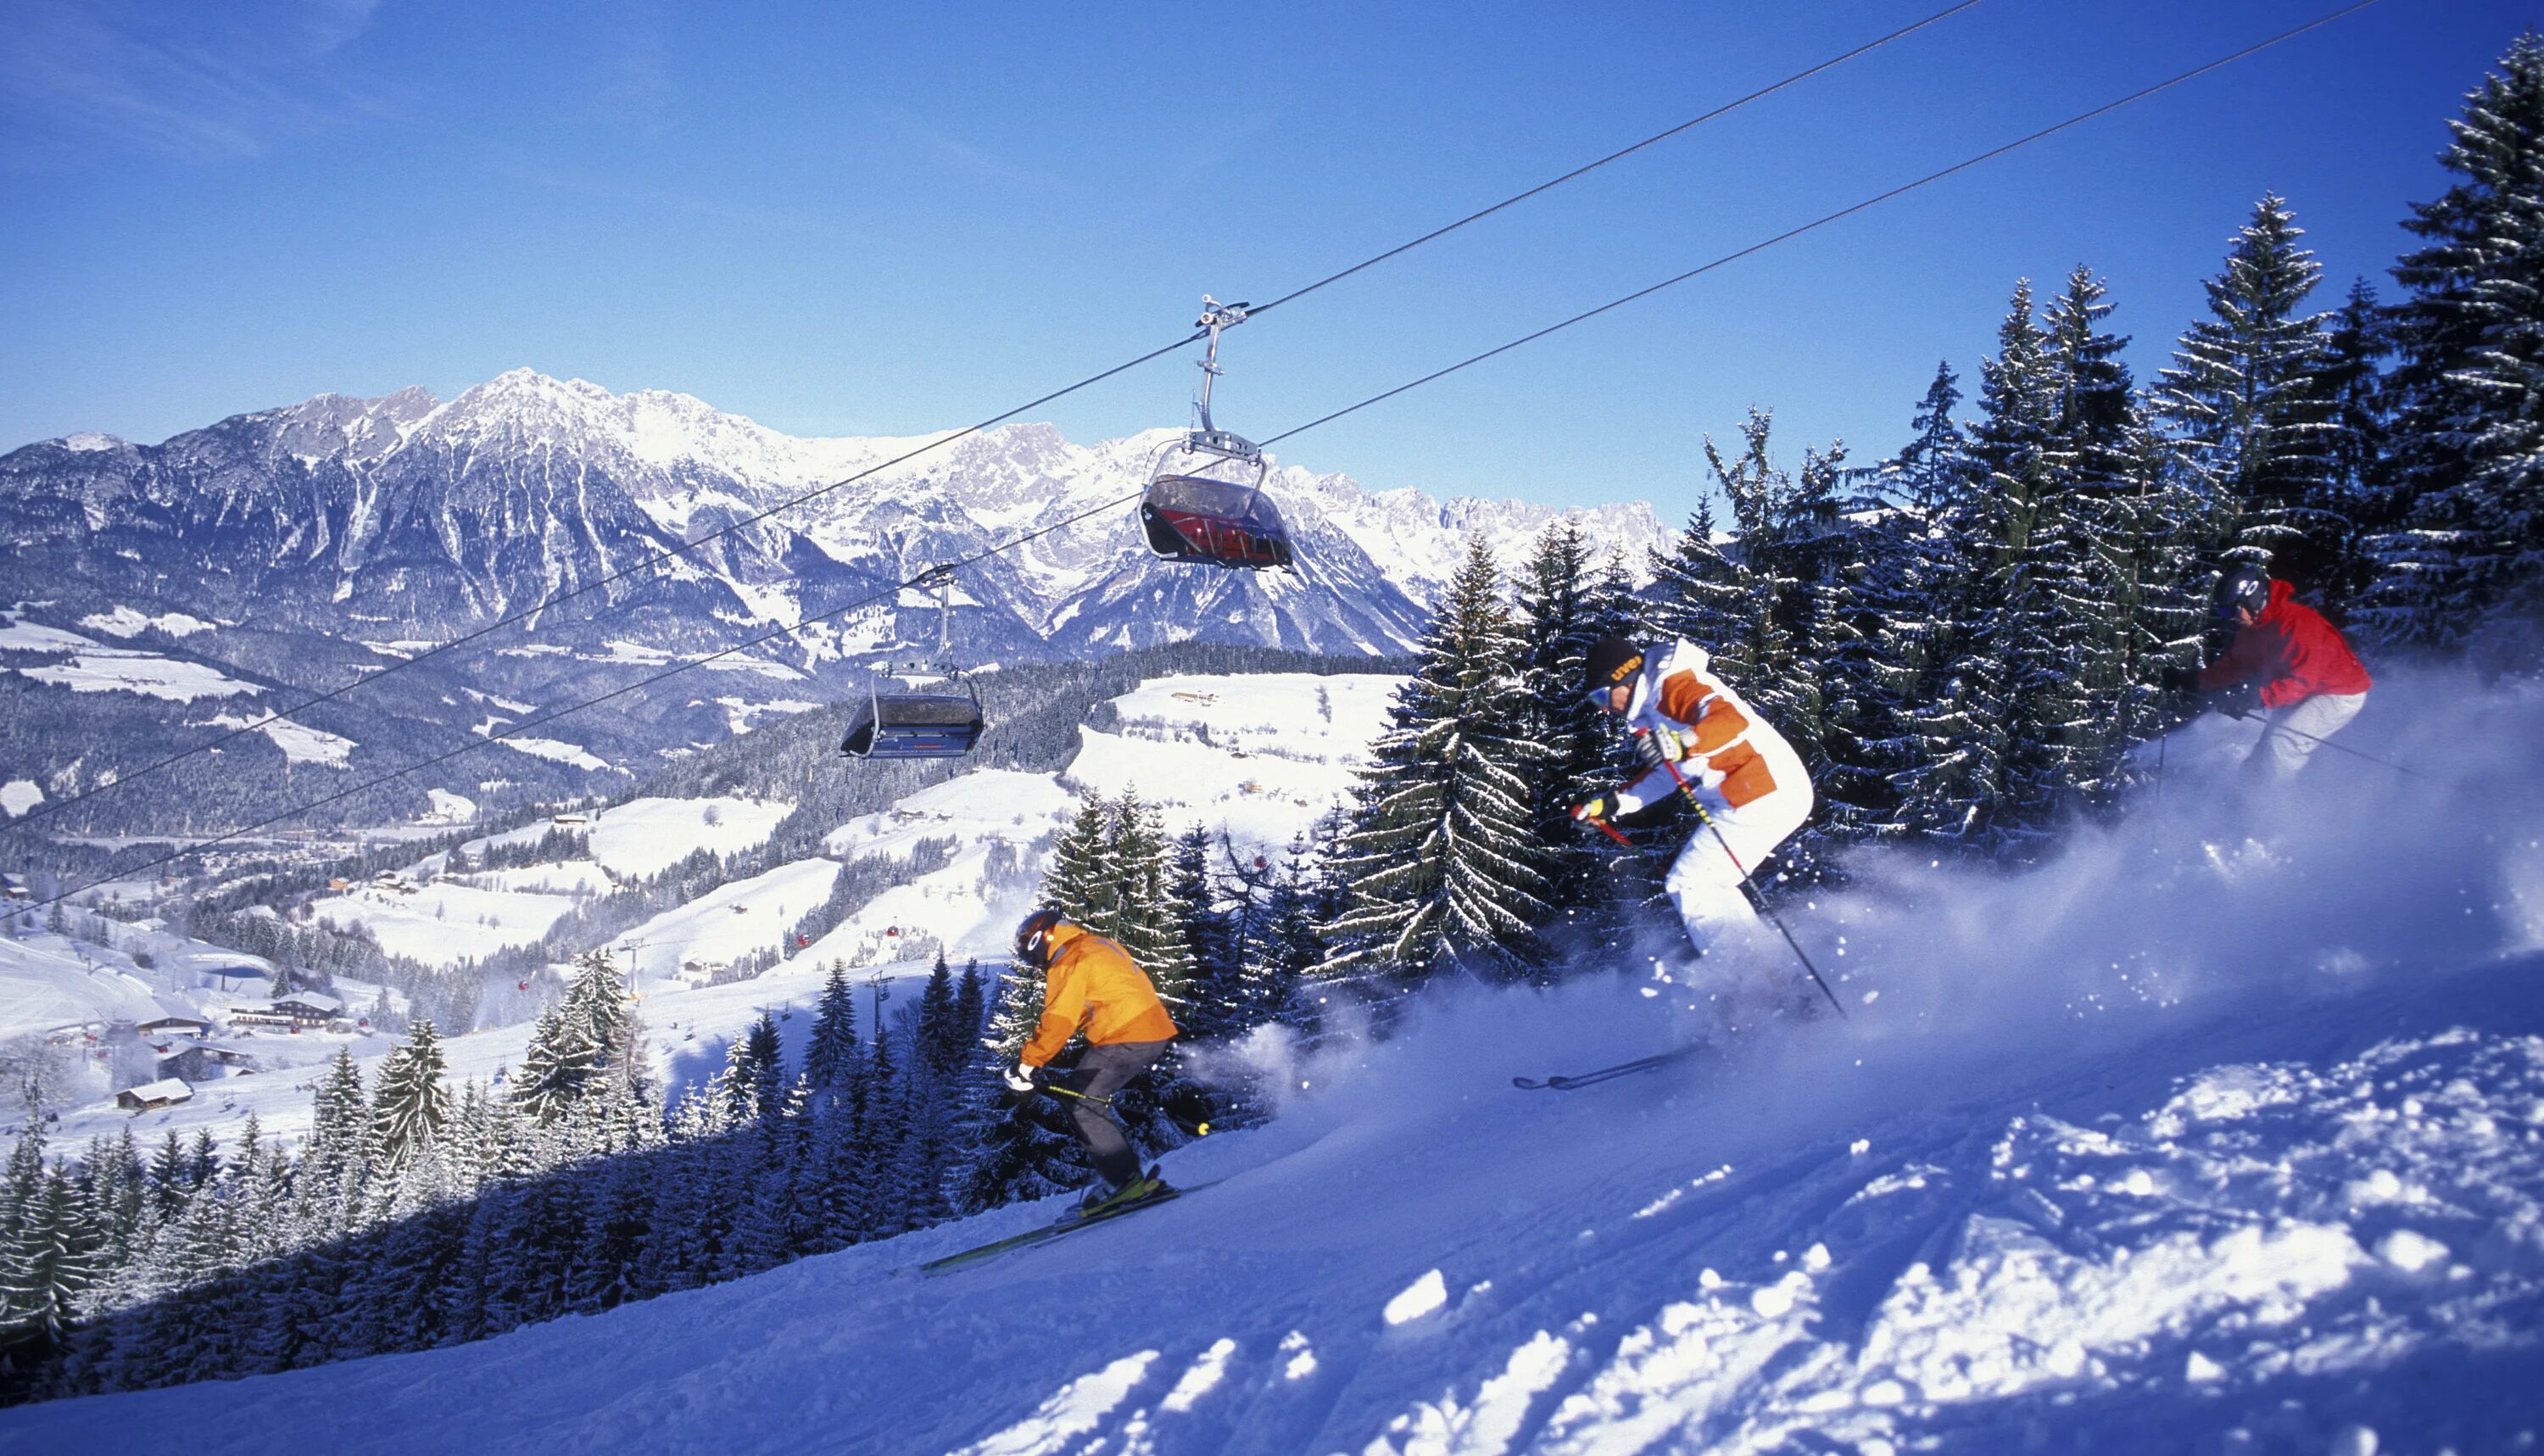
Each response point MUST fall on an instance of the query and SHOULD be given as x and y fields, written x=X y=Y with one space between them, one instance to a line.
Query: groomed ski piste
x=2222 y=1130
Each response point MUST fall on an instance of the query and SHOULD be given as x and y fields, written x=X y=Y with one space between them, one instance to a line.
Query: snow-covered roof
x=165 y=1090
x=309 y=1000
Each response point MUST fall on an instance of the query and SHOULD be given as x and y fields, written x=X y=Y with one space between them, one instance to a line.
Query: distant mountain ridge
x=325 y=540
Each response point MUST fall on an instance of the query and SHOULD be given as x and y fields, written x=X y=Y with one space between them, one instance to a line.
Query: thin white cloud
x=199 y=82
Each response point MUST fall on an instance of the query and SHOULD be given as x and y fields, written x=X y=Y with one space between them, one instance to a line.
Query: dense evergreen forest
x=1965 y=642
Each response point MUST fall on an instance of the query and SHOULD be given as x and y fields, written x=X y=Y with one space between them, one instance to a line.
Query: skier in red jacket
x=2309 y=681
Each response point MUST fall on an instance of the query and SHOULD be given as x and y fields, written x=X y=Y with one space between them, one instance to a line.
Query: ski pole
x=1757 y=896
x=2269 y=728
x=1105 y=1106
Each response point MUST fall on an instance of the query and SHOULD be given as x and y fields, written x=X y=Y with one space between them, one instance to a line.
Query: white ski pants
x=1704 y=881
x=2281 y=753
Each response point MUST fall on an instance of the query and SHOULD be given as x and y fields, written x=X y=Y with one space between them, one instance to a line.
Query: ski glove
x=2181 y=680
x=1022 y=1078
x=1654 y=746
x=1601 y=807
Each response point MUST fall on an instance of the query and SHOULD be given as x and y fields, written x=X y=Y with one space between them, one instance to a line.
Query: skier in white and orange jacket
x=1748 y=778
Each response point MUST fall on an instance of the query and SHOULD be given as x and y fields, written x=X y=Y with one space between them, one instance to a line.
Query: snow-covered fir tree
x=2245 y=397
x=2468 y=542
x=1442 y=867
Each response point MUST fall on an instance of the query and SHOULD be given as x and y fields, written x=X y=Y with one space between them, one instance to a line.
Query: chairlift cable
x=49 y=811
x=1847 y=211
x=1729 y=106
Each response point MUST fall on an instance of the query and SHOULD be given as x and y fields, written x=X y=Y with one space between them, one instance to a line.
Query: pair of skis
x=1564 y=1082
x=1043 y=1234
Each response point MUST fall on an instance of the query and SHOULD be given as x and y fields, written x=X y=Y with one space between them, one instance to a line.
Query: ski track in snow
x=2224 y=1131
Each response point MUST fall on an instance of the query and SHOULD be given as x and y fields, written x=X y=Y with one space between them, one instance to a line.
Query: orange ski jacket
x=1093 y=986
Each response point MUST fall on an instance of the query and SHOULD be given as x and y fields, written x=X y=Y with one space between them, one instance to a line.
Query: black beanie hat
x=1612 y=659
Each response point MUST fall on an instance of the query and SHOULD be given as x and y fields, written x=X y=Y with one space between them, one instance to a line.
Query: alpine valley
x=159 y=595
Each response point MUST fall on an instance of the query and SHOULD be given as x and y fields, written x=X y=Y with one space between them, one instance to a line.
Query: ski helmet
x=1033 y=937
x=1612 y=661
x=2244 y=585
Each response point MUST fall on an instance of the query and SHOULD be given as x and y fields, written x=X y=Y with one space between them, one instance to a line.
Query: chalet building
x=300 y=1010
x=205 y=1063
x=175 y=1026
x=165 y=1093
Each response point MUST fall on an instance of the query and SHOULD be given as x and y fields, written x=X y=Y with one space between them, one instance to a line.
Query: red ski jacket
x=2295 y=653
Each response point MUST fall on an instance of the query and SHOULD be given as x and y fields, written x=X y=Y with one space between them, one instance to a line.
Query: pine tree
x=2468 y=545
x=1442 y=867
x=833 y=1055
x=2252 y=424
x=1139 y=858
x=1080 y=884
x=2120 y=591
x=1214 y=1004
x=1922 y=589
x=410 y=1104
x=1696 y=590
x=2358 y=485
x=1566 y=605
x=1966 y=786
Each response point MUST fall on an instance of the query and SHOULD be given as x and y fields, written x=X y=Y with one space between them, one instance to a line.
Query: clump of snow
x=2410 y=1252
x=19 y=796
x=1203 y=1377
x=1421 y=1297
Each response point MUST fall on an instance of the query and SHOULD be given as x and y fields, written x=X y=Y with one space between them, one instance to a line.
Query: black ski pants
x=1100 y=1073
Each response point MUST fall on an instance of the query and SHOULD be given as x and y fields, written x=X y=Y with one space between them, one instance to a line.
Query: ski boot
x=1099 y=1202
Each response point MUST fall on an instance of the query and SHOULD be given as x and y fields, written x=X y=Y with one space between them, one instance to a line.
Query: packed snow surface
x=2221 y=1131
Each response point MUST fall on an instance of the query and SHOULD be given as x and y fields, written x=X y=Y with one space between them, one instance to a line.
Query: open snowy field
x=450 y=919
x=727 y=922
x=44 y=986
x=2223 y=1131
x=1263 y=756
x=445 y=922
x=645 y=837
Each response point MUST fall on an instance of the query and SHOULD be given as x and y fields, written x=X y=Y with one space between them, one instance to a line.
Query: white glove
x=1020 y=1078
x=1658 y=745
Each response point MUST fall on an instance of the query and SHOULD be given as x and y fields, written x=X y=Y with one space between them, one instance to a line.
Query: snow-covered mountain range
x=305 y=547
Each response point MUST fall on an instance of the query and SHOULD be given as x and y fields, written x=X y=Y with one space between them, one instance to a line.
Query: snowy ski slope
x=2224 y=1131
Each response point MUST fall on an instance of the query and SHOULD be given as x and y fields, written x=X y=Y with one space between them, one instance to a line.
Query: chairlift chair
x=915 y=723
x=1193 y=510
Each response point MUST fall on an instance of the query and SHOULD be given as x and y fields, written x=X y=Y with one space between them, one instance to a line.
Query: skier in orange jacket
x=1091 y=985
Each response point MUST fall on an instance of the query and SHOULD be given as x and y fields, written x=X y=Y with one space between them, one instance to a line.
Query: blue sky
x=887 y=218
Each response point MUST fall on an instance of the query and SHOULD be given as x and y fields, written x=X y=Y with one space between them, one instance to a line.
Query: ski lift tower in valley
x=1205 y=501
